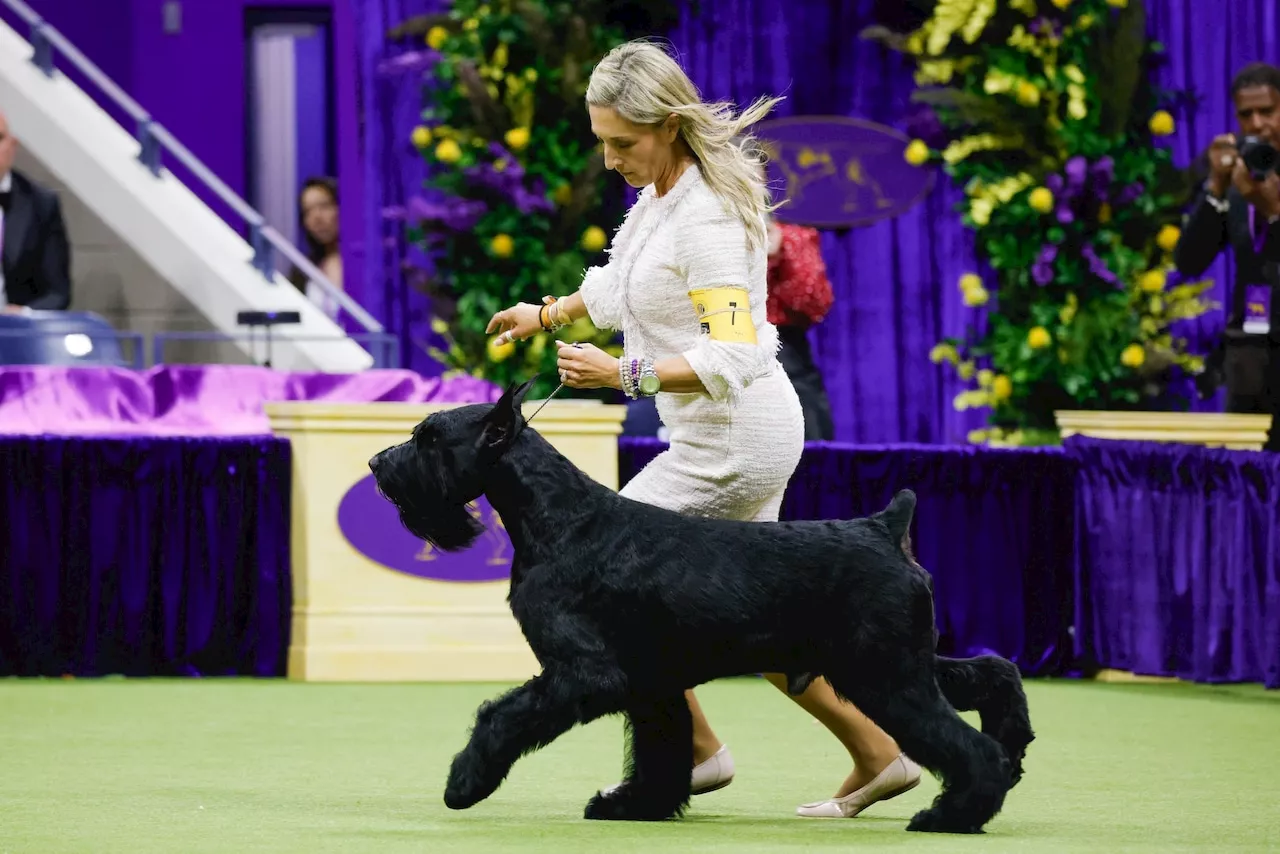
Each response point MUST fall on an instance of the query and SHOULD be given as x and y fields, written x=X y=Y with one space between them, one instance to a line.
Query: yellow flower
x=964 y=370
x=593 y=239
x=563 y=194
x=1068 y=311
x=1133 y=356
x=985 y=378
x=970 y=282
x=1167 y=239
x=943 y=353
x=1161 y=123
x=1074 y=74
x=1085 y=21
x=1028 y=94
x=516 y=138
x=448 y=152
x=1104 y=213
x=531 y=74
x=1038 y=338
x=439 y=326
x=1001 y=388
x=916 y=153
x=980 y=211
x=977 y=437
x=470 y=24
x=971 y=400
x=976 y=297
x=502 y=245
x=1119 y=4
x=436 y=37
x=497 y=351
x=1077 y=109
x=1041 y=200
x=1152 y=281
x=421 y=137
x=1062 y=4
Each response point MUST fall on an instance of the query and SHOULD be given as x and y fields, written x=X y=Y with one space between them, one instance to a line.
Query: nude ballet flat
x=901 y=775
x=709 y=776
x=713 y=774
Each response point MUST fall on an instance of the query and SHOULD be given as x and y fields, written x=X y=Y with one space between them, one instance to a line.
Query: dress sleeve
x=600 y=295
x=712 y=252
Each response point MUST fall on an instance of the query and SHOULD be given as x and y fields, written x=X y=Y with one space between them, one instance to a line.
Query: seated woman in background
x=318 y=213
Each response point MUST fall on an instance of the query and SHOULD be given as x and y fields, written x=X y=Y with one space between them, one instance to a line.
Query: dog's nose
x=374 y=462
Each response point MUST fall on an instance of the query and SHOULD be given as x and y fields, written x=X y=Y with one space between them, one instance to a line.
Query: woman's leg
x=705 y=743
x=870 y=747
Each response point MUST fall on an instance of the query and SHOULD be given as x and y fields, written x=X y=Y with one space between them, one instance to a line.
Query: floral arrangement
x=1045 y=113
x=515 y=206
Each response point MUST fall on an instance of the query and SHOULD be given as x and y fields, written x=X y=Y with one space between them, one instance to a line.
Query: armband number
x=725 y=314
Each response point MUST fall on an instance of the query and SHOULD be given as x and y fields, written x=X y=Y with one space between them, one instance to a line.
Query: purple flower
x=1065 y=214
x=1097 y=266
x=1076 y=170
x=453 y=213
x=1130 y=194
x=1054 y=183
x=1100 y=176
x=1044 y=26
x=1042 y=270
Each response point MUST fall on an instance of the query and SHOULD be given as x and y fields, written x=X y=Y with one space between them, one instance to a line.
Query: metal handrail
x=47 y=42
x=389 y=349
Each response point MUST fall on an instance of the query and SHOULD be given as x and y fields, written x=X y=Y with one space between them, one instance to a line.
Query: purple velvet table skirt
x=144 y=556
x=189 y=400
x=1178 y=560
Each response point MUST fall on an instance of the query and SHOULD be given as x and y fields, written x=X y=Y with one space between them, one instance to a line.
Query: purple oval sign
x=838 y=172
x=372 y=526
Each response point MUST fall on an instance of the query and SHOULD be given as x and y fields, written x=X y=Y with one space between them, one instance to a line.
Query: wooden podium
x=372 y=603
x=1213 y=429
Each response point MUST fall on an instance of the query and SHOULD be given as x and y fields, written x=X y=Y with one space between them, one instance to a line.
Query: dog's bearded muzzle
x=428 y=508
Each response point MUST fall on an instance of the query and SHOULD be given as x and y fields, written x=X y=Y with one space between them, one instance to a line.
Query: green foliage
x=1050 y=123
x=517 y=204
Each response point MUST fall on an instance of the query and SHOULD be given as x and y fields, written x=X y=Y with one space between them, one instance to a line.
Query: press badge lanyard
x=1257 y=298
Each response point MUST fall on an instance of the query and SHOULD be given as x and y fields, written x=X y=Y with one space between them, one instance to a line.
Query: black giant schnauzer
x=627 y=605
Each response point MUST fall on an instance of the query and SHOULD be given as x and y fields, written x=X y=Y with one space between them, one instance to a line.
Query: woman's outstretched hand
x=516 y=323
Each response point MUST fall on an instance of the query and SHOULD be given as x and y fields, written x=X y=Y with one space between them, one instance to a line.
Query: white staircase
x=185 y=243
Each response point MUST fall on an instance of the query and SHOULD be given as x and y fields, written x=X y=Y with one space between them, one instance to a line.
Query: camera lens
x=1259 y=157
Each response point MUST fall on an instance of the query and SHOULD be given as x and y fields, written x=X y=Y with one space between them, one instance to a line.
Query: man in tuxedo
x=35 y=262
x=1241 y=209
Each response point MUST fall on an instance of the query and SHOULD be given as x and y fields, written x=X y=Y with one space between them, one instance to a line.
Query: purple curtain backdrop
x=144 y=556
x=1178 y=552
x=994 y=527
x=315 y=147
x=895 y=281
x=391 y=106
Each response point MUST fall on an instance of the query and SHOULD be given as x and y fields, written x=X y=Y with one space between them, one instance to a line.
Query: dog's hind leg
x=972 y=768
x=525 y=719
x=656 y=786
x=991 y=686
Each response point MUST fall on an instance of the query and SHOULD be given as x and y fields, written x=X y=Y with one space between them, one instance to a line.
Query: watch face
x=650 y=384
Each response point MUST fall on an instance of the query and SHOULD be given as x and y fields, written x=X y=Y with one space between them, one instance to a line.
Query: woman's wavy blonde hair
x=645 y=85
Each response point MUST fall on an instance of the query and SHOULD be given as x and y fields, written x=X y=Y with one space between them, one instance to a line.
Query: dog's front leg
x=522 y=720
x=661 y=758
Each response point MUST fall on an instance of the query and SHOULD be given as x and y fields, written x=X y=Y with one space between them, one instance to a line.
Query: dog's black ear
x=505 y=419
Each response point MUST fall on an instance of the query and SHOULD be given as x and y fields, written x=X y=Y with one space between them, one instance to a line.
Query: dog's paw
x=468 y=783
x=934 y=820
x=623 y=803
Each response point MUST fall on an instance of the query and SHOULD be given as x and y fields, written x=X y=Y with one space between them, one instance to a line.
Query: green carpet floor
x=187 y=767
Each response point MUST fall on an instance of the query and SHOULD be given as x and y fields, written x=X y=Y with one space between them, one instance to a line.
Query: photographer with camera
x=1239 y=205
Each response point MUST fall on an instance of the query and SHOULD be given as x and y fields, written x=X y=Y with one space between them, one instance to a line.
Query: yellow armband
x=725 y=314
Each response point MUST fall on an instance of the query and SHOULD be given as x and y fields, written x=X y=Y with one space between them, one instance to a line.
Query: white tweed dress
x=732 y=450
